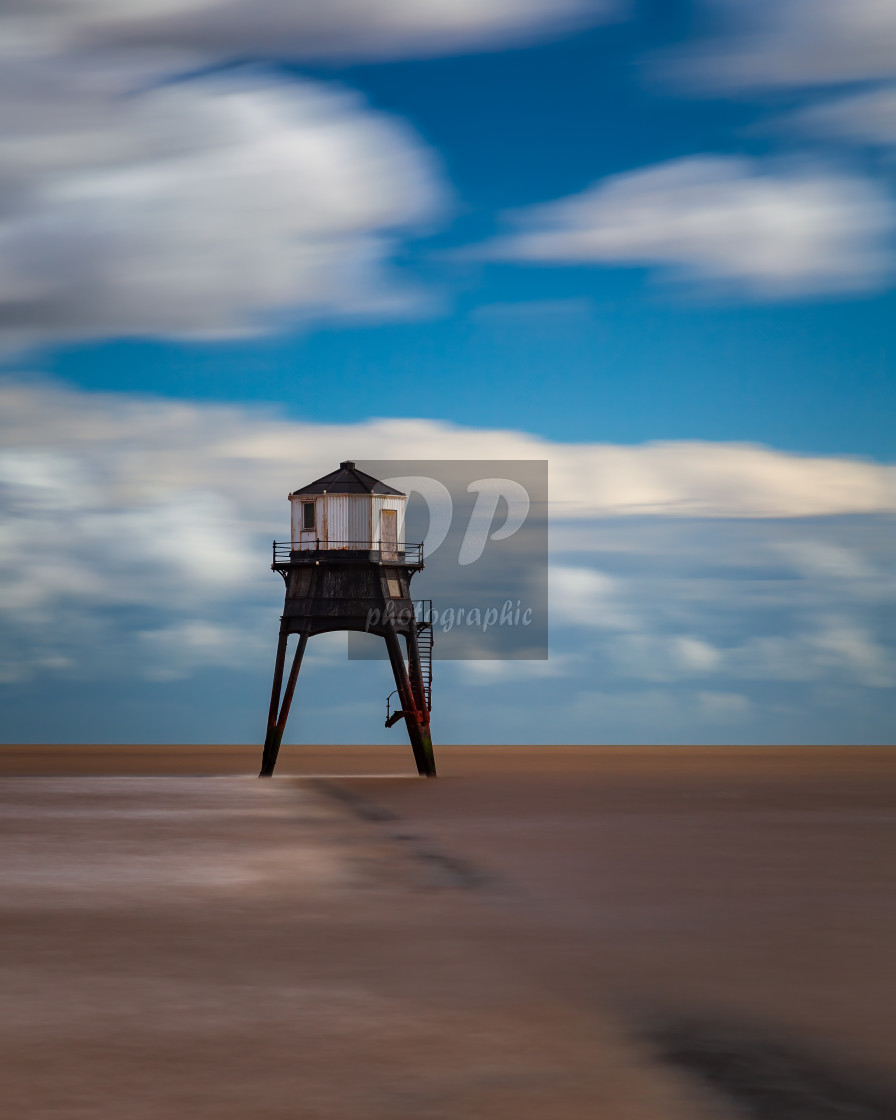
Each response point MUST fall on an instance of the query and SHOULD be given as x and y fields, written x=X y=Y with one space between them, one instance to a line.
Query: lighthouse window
x=393 y=583
x=307 y=515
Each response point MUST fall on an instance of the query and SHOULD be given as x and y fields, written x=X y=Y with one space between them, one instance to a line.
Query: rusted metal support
x=277 y=722
x=418 y=731
x=427 y=751
x=291 y=682
x=267 y=761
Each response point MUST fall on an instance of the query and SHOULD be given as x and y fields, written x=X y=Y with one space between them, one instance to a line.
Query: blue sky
x=555 y=227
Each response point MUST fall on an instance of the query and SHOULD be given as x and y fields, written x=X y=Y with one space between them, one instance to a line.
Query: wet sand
x=551 y=932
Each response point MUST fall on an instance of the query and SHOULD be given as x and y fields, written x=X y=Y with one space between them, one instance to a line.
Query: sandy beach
x=542 y=932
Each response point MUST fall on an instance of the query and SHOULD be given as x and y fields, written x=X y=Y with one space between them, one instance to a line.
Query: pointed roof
x=348 y=480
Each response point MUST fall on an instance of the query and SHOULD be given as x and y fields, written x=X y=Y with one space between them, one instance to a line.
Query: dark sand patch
x=771 y=1079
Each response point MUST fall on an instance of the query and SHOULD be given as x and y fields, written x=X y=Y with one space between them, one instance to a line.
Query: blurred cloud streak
x=789 y=43
x=149 y=189
x=301 y=29
x=865 y=118
x=211 y=208
x=728 y=224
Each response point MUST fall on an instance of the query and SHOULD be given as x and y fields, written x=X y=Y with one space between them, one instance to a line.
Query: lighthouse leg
x=418 y=731
x=277 y=723
x=269 y=756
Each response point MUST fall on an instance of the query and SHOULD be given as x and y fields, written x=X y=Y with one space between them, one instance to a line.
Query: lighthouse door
x=389 y=534
x=307 y=525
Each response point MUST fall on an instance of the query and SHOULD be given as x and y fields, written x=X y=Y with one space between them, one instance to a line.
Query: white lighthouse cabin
x=348 y=510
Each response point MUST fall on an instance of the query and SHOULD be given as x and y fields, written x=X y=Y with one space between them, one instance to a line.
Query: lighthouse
x=347 y=566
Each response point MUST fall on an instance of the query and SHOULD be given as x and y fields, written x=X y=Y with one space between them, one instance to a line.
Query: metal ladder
x=423 y=622
x=425 y=641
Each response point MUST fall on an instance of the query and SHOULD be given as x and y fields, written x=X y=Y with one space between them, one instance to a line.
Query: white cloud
x=585 y=597
x=487 y=673
x=304 y=29
x=844 y=646
x=786 y=43
x=805 y=648
x=723 y=707
x=663 y=657
x=838 y=650
x=694 y=479
x=79 y=451
x=866 y=118
x=695 y=654
x=819 y=558
x=723 y=223
x=173 y=652
x=142 y=193
x=208 y=208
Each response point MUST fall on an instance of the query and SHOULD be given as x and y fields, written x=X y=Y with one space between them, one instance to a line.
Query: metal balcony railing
x=285 y=551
